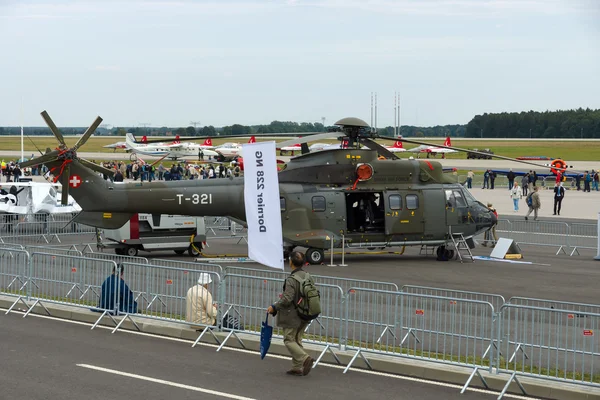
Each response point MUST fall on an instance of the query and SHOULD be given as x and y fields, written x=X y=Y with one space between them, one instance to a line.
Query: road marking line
x=277 y=356
x=168 y=383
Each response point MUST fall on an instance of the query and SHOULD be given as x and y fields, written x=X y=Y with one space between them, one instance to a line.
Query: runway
x=44 y=358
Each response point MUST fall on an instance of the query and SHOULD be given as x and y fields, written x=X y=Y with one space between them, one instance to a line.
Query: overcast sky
x=253 y=61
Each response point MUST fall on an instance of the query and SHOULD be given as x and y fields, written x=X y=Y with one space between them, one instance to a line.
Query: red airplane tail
x=144 y=139
x=208 y=142
x=398 y=145
x=448 y=143
x=252 y=140
x=176 y=141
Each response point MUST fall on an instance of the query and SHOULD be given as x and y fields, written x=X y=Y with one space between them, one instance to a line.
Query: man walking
x=525 y=184
x=559 y=194
x=470 y=176
x=289 y=319
x=534 y=203
x=587 y=180
x=515 y=194
x=486 y=177
x=511 y=179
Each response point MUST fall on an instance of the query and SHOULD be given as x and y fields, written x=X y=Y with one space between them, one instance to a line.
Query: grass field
x=567 y=150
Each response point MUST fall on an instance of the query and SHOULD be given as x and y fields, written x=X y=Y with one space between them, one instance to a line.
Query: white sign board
x=261 y=198
x=502 y=248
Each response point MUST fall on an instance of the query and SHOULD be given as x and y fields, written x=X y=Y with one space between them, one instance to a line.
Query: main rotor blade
x=53 y=127
x=64 y=180
x=377 y=147
x=51 y=156
x=471 y=151
x=245 y=136
x=89 y=132
x=97 y=167
x=310 y=138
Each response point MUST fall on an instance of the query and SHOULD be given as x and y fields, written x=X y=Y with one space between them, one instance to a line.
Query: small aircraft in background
x=27 y=198
x=117 y=145
x=434 y=149
x=230 y=151
x=396 y=148
x=173 y=151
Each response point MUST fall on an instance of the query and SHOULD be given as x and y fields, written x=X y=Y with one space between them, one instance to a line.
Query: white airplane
x=229 y=151
x=173 y=151
x=434 y=149
x=115 y=146
x=396 y=148
x=35 y=197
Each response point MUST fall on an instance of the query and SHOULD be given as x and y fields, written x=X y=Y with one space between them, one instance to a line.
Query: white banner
x=263 y=210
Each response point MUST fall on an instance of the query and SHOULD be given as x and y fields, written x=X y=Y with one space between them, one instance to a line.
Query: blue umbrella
x=266 y=332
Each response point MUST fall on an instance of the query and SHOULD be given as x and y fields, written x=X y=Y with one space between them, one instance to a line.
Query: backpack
x=529 y=201
x=309 y=303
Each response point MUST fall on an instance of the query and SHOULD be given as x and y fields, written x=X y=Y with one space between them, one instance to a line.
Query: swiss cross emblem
x=75 y=181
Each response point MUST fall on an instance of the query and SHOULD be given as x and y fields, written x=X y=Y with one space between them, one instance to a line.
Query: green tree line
x=580 y=123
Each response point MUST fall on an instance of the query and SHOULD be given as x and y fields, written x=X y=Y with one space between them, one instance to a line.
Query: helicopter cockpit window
x=395 y=202
x=450 y=200
x=460 y=200
x=318 y=203
x=412 y=201
x=469 y=197
x=282 y=203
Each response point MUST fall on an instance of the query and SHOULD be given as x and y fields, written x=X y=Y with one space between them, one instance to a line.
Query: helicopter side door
x=404 y=213
x=457 y=210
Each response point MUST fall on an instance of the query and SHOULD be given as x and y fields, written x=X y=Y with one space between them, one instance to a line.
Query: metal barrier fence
x=14 y=265
x=188 y=265
x=561 y=235
x=344 y=283
x=542 y=338
x=164 y=294
x=247 y=298
x=549 y=344
x=116 y=258
x=446 y=330
x=41 y=227
x=582 y=236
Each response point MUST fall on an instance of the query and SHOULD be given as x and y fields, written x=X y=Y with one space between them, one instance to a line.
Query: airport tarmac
x=65 y=360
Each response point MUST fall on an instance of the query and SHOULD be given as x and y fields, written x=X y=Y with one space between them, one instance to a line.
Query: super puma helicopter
x=369 y=196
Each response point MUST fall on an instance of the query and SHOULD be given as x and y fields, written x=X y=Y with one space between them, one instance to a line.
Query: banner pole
x=343 y=251
x=331 y=264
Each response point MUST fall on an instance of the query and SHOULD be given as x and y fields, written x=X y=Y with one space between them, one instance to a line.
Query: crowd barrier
x=560 y=235
x=39 y=228
x=502 y=181
x=520 y=337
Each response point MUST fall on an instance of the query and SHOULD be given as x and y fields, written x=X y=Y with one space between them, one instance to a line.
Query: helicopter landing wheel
x=450 y=254
x=314 y=256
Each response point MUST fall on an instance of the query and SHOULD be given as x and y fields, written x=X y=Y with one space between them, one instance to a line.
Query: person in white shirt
x=200 y=309
x=515 y=194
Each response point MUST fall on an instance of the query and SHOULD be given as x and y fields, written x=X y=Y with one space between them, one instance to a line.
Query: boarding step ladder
x=462 y=247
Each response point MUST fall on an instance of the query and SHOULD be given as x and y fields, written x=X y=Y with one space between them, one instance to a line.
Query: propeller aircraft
x=173 y=151
x=346 y=194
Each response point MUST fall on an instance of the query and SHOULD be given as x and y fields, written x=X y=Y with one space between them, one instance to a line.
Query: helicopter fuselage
x=322 y=200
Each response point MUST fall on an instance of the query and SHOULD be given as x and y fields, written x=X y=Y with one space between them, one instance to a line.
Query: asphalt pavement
x=49 y=359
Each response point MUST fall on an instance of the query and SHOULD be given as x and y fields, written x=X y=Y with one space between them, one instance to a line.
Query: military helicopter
x=367 y=196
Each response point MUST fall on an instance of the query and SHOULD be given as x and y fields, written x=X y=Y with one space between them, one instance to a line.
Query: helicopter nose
x=494 y=218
